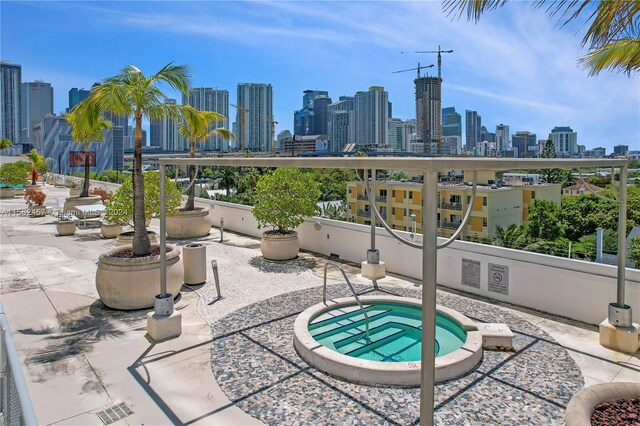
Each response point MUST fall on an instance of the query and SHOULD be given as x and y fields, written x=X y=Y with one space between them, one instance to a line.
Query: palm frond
x=474 y=8
x=177 y=76
x=619 y=56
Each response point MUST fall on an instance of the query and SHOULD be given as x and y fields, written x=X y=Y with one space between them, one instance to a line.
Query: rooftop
x=235 y=363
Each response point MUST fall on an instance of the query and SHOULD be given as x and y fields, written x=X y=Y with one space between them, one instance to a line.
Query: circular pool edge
x=447 y=367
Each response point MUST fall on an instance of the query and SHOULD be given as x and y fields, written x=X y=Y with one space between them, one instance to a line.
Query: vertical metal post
x=372 y=202
x=599 y=236
x=163 y=233
x=221 y=229
x=622 y=235
x=429 y=278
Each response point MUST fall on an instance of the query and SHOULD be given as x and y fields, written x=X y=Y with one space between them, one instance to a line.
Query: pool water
x=395 y=332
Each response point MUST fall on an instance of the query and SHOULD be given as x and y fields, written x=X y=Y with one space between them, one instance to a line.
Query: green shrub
x=634 y=252
x=14 y=174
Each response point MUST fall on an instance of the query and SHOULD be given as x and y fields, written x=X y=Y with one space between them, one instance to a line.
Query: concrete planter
x=66 y=227
x=37 y=211
x=110 y=230
x=74 y=192
x=581 y=406
x=188 y=223
x=72 y=202
x=7 y=192
x=133 y=283
x=126 y=238
x=279 y=246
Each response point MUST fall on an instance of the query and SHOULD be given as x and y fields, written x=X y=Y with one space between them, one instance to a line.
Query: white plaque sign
x=471 y=273
x=499 y=279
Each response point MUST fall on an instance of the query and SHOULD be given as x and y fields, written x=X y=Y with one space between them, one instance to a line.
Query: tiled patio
x=235 y=363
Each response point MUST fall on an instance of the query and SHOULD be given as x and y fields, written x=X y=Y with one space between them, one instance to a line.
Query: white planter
x=188 y=223
x=195 y=263
x=74 y=192
x=7 y=192
x=66 y=227
x=110 y=230
x=279 y=246
x=126 y=238
x=72 y=202
x=581 y=406
x=133 y=283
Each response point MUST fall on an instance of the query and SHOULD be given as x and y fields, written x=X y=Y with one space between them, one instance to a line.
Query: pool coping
x=447 y=367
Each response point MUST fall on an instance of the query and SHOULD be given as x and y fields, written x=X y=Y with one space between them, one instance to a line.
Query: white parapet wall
x=566 y=287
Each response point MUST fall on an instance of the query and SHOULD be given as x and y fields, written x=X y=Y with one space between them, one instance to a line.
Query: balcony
x=367 y=214
x=448 y=225
x=450 y=206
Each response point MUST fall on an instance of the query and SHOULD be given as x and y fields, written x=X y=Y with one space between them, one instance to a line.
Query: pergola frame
x=430 y=168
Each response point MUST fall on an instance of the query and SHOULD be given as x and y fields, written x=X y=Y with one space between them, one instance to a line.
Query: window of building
x=367 y=222
x=393 y=193
x=484 y=221
x=533 y=195
x=411 y=195
x=393 y=210
x=383 y=192
x=349 y=190
x=405 y=212
x=455 y=199
x=484 y=201
x=410 y=212
x=468 y=199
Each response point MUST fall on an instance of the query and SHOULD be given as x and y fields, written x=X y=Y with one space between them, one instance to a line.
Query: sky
x=515 y=66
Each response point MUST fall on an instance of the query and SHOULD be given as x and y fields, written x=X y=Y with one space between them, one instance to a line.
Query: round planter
x=188 y=223
x=133 y=283
x=72 y=202
x=7 y=192
x=126 y=238
x=581 y=406
x=110 y=230
x=37 y=211
x=74 y=192
x=279 y=246
x=66 y=227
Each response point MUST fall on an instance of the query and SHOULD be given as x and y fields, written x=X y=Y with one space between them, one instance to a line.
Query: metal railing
x=451 y=206
x=16 y=407
x=353 y=291
x=367 y=214
x=448 y=225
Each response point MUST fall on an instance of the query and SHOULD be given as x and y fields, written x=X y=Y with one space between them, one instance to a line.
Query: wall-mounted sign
x=76 y=158
x=471 y=273
x=499 y=279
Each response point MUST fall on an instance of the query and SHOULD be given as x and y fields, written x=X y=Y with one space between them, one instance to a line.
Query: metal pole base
x=375 y=287
x=620 y=315
x=163 y=304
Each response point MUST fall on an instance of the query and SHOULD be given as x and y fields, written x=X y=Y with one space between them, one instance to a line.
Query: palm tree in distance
x=88 y=125
x=513 y=237
x=613 y=34
x=5 y=143
x=228 y=178
x=134 y=94
x=196 y=128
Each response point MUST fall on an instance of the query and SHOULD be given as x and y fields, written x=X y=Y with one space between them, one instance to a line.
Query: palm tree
x=512 y=237
x=196 y=127
x=612 y=36
x=88 y=125
x=228 y=178
x=134 y=94
x=5 y=143
x=36 y=161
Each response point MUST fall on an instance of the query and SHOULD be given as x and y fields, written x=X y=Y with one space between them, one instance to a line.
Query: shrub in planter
x=35 y=201
x=13 y=175
x=284 y=199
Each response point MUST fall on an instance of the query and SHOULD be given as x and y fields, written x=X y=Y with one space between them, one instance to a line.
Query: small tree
x=634 y=252
x=545 y=220
x=120 y=207
x=14 y=174
x=285 y=198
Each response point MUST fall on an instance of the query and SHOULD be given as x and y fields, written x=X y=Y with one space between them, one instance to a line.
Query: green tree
x=87 y=125
x=545 y=220
x=285 y=198
x=634 y=252
x=36 y=161
x=196 y=128
x=228 y=178
x=515 y=236
x=335 y=211
x=5 y=143
x=612 y=30
x=550 y=175
x=136 y=95
x=14 y=174
x=584 y=213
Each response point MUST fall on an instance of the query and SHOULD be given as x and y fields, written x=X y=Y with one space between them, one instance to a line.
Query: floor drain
x=115 y=413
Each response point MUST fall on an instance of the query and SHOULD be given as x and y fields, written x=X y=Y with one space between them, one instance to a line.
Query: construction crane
x=413 y=69
x=242 y=110
x=439 y=52
x=273 y=132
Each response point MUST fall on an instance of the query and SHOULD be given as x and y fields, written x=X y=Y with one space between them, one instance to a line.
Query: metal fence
x=15 y=403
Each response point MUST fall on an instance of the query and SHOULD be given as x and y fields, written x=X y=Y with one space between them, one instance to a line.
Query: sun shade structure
x=429 y=168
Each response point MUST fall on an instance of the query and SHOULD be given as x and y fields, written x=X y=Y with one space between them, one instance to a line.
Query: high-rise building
x=340 y=122
x=502 y=138
x=565 y=141
x=451 y=122
x=451 y=145
x=164 y=132
x=11 y=102
x=312 y=118
x=320 y=119
x=394 y=135
x=473 y=123
x=283 y=137
x=37 y=101
x=76 y=96
x=525 y=144
x=256 y=134
x=371 y=115
x=620 y=149
x=428 y=111
x=486 y=135
x=211 y=99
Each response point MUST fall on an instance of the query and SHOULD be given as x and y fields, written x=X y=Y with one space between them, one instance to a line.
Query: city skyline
x=529 y=80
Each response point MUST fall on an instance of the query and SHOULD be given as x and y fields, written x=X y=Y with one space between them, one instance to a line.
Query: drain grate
x=115 y=413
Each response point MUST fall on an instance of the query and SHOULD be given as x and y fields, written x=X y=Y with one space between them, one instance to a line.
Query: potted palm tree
x=127 y=274
x=284 y=199
x=87 y=125
x=37 y=161
x=191 y=221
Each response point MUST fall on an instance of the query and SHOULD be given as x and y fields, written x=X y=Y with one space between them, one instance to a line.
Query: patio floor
x=235 y=363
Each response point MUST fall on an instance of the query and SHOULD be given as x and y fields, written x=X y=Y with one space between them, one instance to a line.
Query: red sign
x=77 y=158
